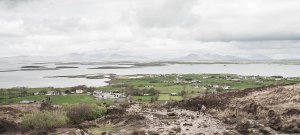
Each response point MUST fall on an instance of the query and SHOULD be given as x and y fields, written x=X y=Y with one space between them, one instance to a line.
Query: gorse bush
x=44 y=120
x=79 y=113
x=96 y=112
x=82 y=112
x=46 y=104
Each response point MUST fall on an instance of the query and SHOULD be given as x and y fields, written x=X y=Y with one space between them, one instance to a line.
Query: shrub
x=77 y=114
x=152 y=100
x=44 y=120
x=8 y=126
x=154 y=81
x=96 y=112
x=46 y=104
x=82 y=112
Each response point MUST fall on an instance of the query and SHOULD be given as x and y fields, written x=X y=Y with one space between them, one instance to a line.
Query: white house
x=205 y=77
x=108 y=95
x=79 y=91
x=226 y=87
x=236 y=80
x=173 y=94
x=278 y=79
x=52 y=93
x=27 y=101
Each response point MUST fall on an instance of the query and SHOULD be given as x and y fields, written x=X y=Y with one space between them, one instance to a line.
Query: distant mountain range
x=96 y=57
x=101 y=57
x=198 y=57
x=75 y=57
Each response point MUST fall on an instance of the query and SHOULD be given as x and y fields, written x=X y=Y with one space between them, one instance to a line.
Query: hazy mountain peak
x=259 y=57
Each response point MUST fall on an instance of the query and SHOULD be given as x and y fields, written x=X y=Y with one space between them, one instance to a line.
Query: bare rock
x=230 y=120
x=153 y=133
x=248 y=127
x=292 y=112
x=292 y=126
x=231 y=132
x=172 y=114
x=166 y=122
x=275 y=122
x=177 y=123
x=187 y=124
x=80 y=132
x=183 y=114
x=267 y=131
x=177 y=129
x=161 y=130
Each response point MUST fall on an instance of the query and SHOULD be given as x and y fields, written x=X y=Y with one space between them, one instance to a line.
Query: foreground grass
x=45 y=119
x=48 y=119
x=99 y=130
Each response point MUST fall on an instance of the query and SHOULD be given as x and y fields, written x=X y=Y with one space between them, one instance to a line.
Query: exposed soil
x=148 y=119
x=181 y=121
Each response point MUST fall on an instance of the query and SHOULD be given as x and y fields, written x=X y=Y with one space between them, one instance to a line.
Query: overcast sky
x=150 y=27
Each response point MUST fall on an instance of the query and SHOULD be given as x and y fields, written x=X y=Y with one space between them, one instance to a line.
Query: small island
x=61 y=67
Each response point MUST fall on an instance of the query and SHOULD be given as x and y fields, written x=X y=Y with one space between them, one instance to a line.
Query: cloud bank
x=156 y=28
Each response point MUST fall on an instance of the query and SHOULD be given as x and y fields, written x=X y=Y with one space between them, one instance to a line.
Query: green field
x=176 y=89
x=142 y=98
x=165 y=84
x=186 y=85
x=68 y=99
x=167 y=97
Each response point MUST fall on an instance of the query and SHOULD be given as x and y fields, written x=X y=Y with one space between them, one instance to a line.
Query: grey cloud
x=160 y=27
x=169 y=13
x=271 y=45
x=12 y=3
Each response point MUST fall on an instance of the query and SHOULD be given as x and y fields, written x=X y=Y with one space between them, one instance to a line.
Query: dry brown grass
x=278 y=99
x=268 y=106
x=272 y=96
x=138 y=132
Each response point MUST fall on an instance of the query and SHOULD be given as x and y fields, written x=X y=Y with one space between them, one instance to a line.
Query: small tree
x=43 y=92
x=189 y=79
x=152 y=91
x=58 y=92
x=67 y=91
x=151 y=100
x=156 y=97
x=46 y=104
x=23 y=93
x=183 y=93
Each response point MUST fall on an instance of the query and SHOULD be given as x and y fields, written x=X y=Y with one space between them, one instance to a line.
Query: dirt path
x=178 y=121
